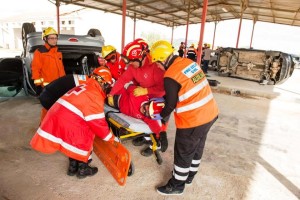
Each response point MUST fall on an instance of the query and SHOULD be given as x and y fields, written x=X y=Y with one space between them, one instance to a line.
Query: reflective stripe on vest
x=196 y=105
x=38 y=81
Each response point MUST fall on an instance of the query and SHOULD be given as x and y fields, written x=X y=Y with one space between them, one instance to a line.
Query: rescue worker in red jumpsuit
x=72 y=123
x=147 y=76
x=57 y=88
x=195 y=110
x=113 y=61
x=47 y=64
x=141 y=107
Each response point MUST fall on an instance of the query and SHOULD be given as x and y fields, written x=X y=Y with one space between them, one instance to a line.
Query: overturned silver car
x=80 y=53
x=265 y=67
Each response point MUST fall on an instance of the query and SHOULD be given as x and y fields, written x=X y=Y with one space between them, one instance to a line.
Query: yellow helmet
x=106 y=50
x=161 y=50
x=208 y=45
x=48 y=31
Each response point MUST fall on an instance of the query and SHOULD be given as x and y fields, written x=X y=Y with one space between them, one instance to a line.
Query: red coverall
x=130 y=105
x=147 y=76
x=117 y=68
x=73 y=121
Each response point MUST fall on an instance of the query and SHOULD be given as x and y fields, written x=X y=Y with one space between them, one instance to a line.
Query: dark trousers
x=205 y=66
x=188 y=151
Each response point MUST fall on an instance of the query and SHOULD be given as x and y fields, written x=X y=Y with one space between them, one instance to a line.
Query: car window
x=10 y=91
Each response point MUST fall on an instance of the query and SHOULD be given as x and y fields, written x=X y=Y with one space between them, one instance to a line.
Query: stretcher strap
x=118 y=119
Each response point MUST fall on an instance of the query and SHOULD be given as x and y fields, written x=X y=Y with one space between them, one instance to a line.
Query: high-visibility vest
x=196 y=105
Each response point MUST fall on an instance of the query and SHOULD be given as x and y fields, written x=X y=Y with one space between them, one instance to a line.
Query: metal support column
x=123 y=24
x=57 y=16
x=204 y=11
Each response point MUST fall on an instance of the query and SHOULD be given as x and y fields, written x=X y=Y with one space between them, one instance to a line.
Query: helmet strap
x=141 y=61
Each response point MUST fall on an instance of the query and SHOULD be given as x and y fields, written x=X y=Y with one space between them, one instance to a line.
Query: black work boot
x=168 y=189
x=140 y=141
x=73 y=167
x=85 y=170
x=189 y=180
x=147 y=152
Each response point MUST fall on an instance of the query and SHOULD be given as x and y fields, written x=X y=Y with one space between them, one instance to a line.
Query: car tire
x=26 y=29
x=94 y=32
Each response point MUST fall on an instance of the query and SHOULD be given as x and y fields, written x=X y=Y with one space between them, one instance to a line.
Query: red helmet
x=103 y=75
x=133 y=51
x=155 y=107
x=143 y=43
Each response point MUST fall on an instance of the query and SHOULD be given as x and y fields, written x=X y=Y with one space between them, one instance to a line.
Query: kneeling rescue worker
x=73 y=121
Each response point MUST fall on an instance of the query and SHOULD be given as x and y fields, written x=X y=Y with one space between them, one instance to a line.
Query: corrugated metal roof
x=175 y=12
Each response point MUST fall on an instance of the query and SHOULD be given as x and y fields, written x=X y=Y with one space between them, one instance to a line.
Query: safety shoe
x=189 y=180
x=169 y=190
x=85 y=170
x=147 y=152
x=73 y=167
x=139 y=141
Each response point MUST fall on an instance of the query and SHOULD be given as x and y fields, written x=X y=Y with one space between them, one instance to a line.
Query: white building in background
x=11 y=31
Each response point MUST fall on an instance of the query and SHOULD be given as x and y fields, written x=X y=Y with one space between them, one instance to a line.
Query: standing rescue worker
x=206 y=57
x=192 y=53
x=73 y=121
x=47 y=64
x=146 y=75
x=195 y=110
x=181 y=49
x=113 y=61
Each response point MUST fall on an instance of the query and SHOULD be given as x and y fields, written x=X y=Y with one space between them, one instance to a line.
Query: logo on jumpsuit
x=134 y=53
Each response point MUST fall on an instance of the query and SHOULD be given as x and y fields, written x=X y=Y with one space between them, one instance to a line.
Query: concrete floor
x=252 y=152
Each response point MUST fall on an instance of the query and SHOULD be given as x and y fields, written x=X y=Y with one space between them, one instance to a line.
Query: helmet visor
x=145 y=109
x=110 y=57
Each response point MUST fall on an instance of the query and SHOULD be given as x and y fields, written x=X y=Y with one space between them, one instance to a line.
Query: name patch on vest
x=198 y=77
x=191 y=70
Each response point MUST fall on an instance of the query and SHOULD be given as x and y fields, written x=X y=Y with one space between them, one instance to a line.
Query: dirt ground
x=251 y=153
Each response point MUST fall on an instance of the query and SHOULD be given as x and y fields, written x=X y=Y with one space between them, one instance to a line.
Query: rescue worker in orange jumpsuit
x=195 y=110
x=113 y=61
x=72 y=123
x=47 y=64
x=147 y=76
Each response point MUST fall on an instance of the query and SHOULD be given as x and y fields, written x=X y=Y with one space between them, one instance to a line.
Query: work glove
x=110 y=100
x=163 y=141
x=156 y=117
x=139 y=91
